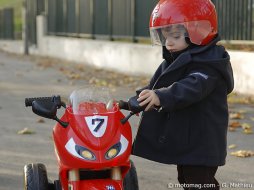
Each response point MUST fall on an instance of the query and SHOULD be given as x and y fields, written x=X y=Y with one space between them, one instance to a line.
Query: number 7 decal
x=97 y=124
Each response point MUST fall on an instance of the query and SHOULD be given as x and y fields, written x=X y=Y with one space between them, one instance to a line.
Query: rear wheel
x=57 y=185
x=35 y=177
x=130 y=181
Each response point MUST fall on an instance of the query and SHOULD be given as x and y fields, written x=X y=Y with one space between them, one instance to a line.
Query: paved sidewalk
x=22 y=77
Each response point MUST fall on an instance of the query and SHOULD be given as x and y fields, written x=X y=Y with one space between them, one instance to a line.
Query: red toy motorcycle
x=92 y=143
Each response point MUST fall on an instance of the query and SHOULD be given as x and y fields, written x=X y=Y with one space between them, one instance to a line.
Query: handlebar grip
x=123 y=105
x=29 y=101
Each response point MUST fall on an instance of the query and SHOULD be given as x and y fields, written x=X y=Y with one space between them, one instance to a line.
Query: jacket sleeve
x=196 y=85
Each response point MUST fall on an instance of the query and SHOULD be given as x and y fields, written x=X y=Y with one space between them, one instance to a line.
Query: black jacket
x=191 y=128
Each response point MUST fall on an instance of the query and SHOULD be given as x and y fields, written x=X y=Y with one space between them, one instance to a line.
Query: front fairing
x=95 y=131
x=100 y=131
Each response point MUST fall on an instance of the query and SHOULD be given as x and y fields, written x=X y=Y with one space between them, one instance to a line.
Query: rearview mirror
x=44 y=108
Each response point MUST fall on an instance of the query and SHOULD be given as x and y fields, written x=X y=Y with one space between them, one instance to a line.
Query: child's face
x=174 y=38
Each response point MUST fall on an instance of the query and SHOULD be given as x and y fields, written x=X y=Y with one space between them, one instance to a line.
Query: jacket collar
x=180 y=61
x=186 y=56
x=199 y=49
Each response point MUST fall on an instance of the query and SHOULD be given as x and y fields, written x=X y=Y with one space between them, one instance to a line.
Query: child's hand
x=149 y=98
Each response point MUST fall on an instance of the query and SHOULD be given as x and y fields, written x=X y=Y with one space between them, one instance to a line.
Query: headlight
x=113 y=151
x=85 y=153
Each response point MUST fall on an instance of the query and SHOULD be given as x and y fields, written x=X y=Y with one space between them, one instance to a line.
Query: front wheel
x=35 y=177
x=130 y=181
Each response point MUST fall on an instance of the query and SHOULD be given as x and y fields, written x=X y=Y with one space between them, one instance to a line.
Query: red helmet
x=198 y=17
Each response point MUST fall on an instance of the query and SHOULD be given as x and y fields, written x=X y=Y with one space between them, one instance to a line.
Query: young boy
x=186 y=115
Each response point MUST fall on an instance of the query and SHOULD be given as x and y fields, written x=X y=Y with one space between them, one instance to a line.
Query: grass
x=17 y=5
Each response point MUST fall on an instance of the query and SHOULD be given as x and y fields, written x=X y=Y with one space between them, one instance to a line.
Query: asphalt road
x=21 y=77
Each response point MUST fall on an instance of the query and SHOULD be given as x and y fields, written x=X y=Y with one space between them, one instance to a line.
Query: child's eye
x=176 y=37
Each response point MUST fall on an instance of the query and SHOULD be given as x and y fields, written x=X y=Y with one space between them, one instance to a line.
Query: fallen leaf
x=236 y=116
x=95 y=76
x=74 y=76
x=247 y=131
x=242 y=153
x=25 y=131
x=246 y=126
x=232 y=146
x=235 y=124
x=231 y=129
x=40 y=120
x=46 y=63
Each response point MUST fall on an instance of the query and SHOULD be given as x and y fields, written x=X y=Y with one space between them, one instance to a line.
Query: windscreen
x=91 y=100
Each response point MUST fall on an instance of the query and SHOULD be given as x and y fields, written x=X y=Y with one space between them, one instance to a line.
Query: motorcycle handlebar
x=123 y=105
x=29 y=101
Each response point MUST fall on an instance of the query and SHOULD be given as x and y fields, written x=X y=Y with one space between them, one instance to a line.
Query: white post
x=41 y=27
x=25 y=27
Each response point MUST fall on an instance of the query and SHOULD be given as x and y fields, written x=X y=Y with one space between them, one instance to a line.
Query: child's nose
x=169 y=41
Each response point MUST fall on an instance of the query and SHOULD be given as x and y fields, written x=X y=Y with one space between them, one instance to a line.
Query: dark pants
x=197 y=177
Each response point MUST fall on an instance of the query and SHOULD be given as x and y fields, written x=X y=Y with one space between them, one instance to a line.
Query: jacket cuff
x=164 y=102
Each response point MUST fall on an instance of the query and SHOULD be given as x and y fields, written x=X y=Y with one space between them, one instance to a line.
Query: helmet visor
x=196 y=31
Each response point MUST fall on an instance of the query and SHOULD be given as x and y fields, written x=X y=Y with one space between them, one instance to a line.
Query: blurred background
x=112 y=19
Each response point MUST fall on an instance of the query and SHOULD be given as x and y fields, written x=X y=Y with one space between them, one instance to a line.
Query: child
x=186 y=115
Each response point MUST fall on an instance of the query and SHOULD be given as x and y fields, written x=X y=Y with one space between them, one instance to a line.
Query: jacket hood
x=217 y=57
